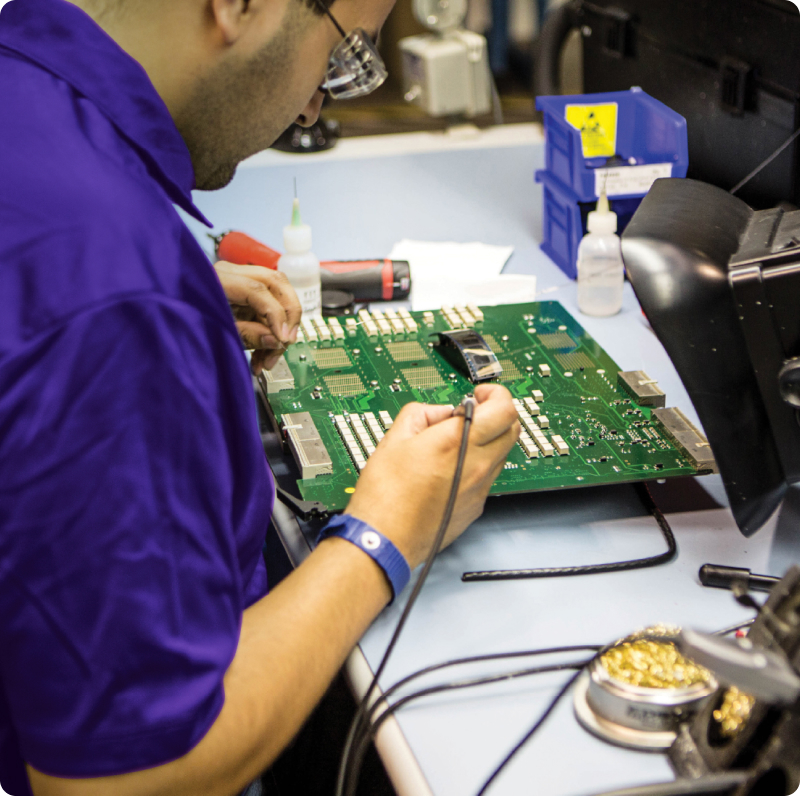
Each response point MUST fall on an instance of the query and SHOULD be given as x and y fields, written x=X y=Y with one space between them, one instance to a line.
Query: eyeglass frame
x=331 y=64
x=321 y=5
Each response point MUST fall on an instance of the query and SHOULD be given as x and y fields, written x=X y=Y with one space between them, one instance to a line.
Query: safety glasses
x=355 y=68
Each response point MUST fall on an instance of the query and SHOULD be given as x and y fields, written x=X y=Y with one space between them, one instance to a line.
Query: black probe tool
x=726 y=577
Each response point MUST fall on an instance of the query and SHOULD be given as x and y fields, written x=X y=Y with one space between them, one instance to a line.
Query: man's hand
x=404 y=488
x=265 y=307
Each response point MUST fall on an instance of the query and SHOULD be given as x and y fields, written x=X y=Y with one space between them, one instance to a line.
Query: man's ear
x=230 y=17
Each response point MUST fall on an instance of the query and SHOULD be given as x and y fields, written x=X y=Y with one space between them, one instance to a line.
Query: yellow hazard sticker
x=598 y=126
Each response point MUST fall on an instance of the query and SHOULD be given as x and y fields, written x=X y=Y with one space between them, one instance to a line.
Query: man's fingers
x=494 y=415
x=411 y=420
x=416 y=418
x=280 y=287
x=486 y=392
x=244 y=291
x=436 y=414
x=498 y=449
x=263 y=359
x=256 y=335
x=495 y=418
x=267 y=293
x=257 y=281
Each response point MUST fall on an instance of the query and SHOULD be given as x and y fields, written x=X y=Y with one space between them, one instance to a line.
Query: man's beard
x=239 y=109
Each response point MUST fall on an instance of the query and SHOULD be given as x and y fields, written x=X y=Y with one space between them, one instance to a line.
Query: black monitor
x=720 y=285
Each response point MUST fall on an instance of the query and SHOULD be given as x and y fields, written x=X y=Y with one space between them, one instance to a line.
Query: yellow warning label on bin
x=598 y=126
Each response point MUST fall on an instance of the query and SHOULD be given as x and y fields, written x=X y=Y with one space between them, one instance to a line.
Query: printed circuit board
x=336 y=392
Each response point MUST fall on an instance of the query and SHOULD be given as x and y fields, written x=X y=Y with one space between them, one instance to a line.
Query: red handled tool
x=367 y=280
x=241 y=249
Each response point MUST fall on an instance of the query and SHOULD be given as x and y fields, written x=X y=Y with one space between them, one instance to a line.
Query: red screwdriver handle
x=240 y=249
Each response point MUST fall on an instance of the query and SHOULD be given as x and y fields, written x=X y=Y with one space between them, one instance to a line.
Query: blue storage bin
x=649 y=141
x=647 y=132
x=561 y=224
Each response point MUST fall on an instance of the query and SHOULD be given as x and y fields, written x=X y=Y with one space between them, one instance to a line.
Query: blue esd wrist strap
x=375 y=545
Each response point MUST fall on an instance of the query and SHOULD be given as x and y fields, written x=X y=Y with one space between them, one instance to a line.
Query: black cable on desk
x=366 y=739
x=374 y=724
x=494 y=656
x=366 y=735
x=531 y=732
x=469 y=409
x=592 y=569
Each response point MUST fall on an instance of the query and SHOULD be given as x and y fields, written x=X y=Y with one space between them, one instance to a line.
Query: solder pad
x=406 y=351
x=424 y=378
x=343 y=385
x=606 y=436
x=331 y=358
x=510 y=372
x=558 y=341
x=572 y=362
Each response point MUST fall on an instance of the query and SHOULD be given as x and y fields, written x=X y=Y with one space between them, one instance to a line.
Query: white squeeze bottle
x=601 y=274
x=300 y=265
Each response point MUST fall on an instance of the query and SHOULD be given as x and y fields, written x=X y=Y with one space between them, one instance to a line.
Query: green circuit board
x=336 y=392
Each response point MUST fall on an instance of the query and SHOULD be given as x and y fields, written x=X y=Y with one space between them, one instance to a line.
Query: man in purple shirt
x=141 y=653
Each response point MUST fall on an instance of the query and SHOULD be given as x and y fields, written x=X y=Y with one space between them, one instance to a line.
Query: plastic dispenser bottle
x=601 y=274
x=300 y=265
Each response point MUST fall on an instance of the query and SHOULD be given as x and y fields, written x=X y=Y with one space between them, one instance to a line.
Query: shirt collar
x=65 y=41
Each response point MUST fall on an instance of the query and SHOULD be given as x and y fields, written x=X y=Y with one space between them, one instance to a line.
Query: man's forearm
x=292 y=643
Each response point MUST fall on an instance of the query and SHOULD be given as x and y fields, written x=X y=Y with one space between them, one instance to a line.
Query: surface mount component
x=470 y=353
x=306 y=445
x=641 y=387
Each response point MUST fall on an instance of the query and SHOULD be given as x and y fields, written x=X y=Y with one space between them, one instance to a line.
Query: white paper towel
x=461 y=273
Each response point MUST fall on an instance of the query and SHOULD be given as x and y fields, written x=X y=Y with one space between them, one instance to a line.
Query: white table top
x=360 y=199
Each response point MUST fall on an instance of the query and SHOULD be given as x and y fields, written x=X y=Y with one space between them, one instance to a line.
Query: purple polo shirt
x=134 y=494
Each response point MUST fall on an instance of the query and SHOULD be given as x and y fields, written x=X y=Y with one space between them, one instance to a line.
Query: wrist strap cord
x=346 y=783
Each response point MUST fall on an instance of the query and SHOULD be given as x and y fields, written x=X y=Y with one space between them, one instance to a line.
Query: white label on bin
x=629 y=180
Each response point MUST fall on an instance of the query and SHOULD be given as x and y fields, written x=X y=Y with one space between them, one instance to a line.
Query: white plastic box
x=447 y=74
